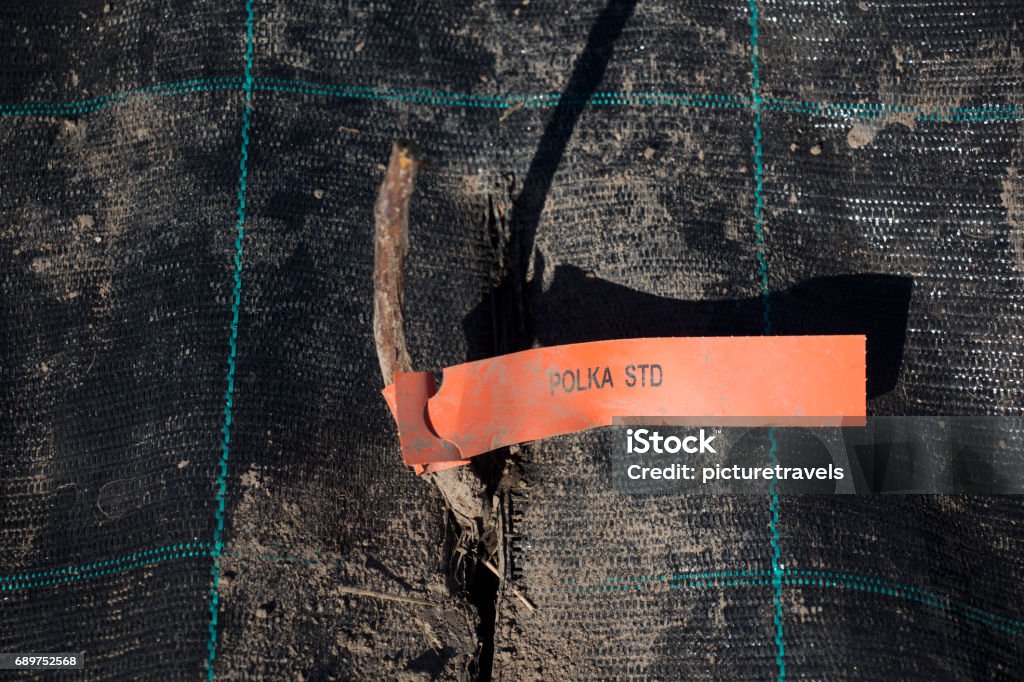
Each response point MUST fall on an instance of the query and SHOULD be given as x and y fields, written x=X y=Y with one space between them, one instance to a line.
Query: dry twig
x=462 y=490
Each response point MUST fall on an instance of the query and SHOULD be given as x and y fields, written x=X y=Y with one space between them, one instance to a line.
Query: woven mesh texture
x=637 y=169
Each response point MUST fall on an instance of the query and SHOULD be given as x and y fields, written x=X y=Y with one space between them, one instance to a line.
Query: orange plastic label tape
x=758 y=380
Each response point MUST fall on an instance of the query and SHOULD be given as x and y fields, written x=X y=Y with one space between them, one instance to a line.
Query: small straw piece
x=358 y=591
x=519 y=595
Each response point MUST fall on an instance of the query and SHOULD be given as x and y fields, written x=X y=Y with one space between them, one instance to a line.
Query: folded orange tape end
x=746 y=381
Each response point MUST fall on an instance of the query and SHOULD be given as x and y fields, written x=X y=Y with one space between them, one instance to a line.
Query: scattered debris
x=518 y=595
x=360 y=592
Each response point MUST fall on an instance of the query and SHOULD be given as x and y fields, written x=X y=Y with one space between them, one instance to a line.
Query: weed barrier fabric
x=617 y=158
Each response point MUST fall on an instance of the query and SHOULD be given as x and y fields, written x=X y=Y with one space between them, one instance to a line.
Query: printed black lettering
x=580 y=386
x=569 y=381
x=630 y=376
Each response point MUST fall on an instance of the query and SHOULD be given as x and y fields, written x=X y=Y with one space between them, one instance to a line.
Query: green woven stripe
x=148 y=557
x=97 y=103
x=71 y=574
x=143 y=555
x=797 y=578
x=443 y=98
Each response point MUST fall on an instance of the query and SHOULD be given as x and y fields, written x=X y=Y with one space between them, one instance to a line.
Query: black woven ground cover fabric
x=199 y=477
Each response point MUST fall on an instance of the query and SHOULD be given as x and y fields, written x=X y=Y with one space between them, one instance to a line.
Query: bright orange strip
x=493 y=403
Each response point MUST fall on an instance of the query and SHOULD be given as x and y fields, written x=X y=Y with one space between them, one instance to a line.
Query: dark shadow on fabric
x=431 y=662
x=794 y=448
x=586 y=77
x=579 y=307
x=506 y=310
x=377 y=565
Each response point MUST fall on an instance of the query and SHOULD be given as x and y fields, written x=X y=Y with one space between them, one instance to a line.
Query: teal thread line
x=69 y=574
x=877 y=111
x=98 y=573
x=800 y=578
x=469 y=100
x=119 y=98
x=777 y=572
x=762 y=266
x=243 y=171
x=658 y=98
x=817 y=577
x=671 y=581
x=429 y=97
x=72 y=573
